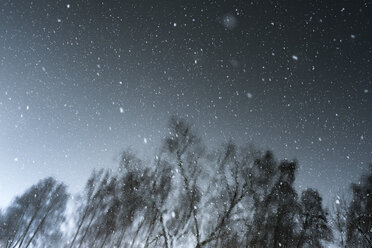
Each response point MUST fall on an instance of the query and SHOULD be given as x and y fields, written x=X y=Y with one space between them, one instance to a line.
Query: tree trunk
x=136 y=234
x=27 y=229
x=90 y=222
x=118 y=244
x=104 y=240
x=80 y=225
x=10 y=241
x=39 y=227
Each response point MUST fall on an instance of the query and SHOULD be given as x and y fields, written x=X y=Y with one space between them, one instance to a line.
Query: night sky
x=80 y=81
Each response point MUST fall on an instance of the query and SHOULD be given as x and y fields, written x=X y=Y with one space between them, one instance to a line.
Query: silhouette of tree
x=133 y=182
x=104 y=223
x=227 y=189
x=359 y=218
x=339 y=217
x=89 y=206
x=184 y=150
x=276 y=219
x=313 y=218
x=34 y=218
x=157 y=193
x=262 y=177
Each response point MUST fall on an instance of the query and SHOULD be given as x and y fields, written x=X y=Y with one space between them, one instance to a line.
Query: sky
x=81 y=81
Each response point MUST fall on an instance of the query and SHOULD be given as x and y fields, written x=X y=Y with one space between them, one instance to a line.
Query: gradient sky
x=82 y=80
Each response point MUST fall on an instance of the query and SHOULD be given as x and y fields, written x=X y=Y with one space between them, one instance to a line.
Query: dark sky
x=82 y=80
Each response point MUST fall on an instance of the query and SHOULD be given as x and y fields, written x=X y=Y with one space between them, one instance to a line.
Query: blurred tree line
x=188 y=197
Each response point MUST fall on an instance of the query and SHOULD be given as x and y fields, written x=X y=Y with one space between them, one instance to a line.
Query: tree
x=228 y=187
x=313 y=219
x=359 y=217
x=89 y=206
x=35 y=217
x=275 y=219
x=339 y=217
x=184 y=150
x=104 y=223
x=262 y=175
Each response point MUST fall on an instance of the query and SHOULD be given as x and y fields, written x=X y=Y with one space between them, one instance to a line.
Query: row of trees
x=186 y=197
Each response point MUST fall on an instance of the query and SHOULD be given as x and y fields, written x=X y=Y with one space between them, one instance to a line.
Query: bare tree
x=339 y=216
x=184 y=149
x=227 y=188
x=35 y=217
x=89 y=205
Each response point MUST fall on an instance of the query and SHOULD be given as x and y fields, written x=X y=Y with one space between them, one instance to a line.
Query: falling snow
x=83 y=81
